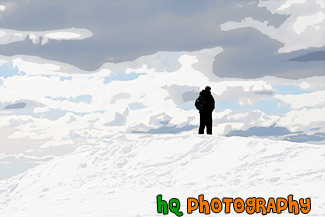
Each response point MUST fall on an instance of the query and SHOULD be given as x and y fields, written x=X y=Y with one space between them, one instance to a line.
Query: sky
x=79 y=72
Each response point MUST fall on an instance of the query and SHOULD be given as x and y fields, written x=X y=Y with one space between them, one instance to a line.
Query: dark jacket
x=209 y=101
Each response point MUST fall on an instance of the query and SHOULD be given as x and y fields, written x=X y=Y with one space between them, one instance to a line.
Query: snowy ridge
x=123 y=178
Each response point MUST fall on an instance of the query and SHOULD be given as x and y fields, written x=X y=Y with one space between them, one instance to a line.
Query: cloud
x=313 y=56
x=198 y=24
x=17 y=163
x=71 y=103
x=251 y=54
x=137 y=74
x=278 y=132
x=260 y=131
x=168 y=129
x=289 y=3
x=8 y=36
x=5 y=158
x=304 y=119
x=301 y=137
x=313 y=99
x=306 y=22
x=77 y=99
x=63 y=117
x=119 y=119
x=313 y=21
x=120 y=96
x=36 y=66
x=150 y=27
x=18 y=105
x=189 y=94
x=66 y=108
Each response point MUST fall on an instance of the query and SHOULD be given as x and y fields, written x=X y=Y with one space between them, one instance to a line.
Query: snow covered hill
x=124 y=178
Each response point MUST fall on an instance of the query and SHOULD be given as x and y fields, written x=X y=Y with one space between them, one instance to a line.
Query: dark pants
x=205 y=121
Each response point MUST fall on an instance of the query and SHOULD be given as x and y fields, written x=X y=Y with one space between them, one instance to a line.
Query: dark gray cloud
x=168 y=129
x=260 y=131
x=18 y=105
x=250 y=54
x=125 y=30
x=278 y=132
x=302 y=137
x=313 y=56
x=189 y=94
x=120 y=96
x=264 y=92
x=119 y=120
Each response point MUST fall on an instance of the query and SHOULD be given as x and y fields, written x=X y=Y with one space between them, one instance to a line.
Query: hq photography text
x=250 y=205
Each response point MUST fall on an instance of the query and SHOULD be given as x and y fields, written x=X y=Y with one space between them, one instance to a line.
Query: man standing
x=205 y=104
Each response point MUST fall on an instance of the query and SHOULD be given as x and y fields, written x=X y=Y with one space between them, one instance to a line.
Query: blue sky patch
x=121 y=76
x=268 y=106
x=63 y=78
x=233 y=105
x=54 y=114
x=187 y=107
x=57 y=98
x=136 y=106
x=289 y=89
x=7 y=70
x=272 y=107
x=81 y=98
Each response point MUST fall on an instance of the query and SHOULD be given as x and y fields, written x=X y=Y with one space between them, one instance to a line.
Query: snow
x=123 y=177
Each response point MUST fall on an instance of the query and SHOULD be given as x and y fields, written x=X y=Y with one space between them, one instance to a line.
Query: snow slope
x=123 y=178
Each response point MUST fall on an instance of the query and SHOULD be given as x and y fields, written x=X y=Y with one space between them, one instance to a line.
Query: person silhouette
x=205 y=104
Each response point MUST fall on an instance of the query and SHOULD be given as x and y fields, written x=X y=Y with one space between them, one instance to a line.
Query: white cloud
x=314 y=21
x=304 y=28
x=304 y=119
x=321 y=3
x=304 y=85
x=63 y=35
x=67 y=124
x=311 y=83
x=8 y=36
x=247 y=85
x=28 y=157
x=289 y=3
x=304 y=100
x=2 y=33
